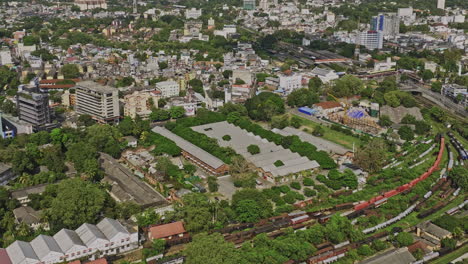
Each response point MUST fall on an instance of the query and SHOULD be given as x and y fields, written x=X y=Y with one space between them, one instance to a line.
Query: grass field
x=451 y=256
x=332 y=135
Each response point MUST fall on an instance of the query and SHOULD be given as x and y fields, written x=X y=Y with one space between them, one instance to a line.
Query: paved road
x=226 y=186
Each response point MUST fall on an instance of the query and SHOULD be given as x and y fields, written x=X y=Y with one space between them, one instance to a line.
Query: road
x=436 y=98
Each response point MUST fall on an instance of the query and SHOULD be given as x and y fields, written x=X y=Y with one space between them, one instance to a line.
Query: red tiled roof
x=167 y=230
x=56 y=86
x=417 y=245
x=328 y=105
x=4 y=258
x=75 y=262
x=98 y=261
x=45 y=81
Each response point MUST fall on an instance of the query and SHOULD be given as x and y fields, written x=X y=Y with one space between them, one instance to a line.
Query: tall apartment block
x=388 y=24
x=371 y=39
x=33 y=108
x=441 y=4
x=98 y=101
x=249 y=4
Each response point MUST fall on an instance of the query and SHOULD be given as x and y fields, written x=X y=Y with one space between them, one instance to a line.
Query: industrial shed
x=269 y=152
x=203 y=159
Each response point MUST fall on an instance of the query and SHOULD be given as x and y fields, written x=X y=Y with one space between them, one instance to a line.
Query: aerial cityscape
x=233 y=131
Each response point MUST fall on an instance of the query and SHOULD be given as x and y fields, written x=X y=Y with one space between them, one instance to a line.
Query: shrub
x=365 y=250
x=284 y=188
x=295 y=185
x=253 y=149
x=290 y=197
x=278 y=163
x=404 y=239
x=308 y=182
x=226 y=137
x=284 y=208
x=278 y=200
x=309 y=192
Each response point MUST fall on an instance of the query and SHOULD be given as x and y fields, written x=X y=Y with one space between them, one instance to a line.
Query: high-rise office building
x=98 y=101
x=388 y=24
x=370 y=39
x=441 y=4
x=249 y=4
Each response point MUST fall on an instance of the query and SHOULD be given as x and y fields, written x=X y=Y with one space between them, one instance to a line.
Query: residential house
x=29 y=216
x=328 y=107
x=167 y=231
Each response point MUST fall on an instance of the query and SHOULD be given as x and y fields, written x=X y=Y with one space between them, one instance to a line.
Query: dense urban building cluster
x=239 y=131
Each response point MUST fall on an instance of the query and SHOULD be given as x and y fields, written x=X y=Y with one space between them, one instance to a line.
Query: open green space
x=451 y=256
x=333 y=135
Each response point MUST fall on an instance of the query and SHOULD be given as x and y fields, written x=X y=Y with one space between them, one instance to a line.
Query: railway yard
x=431 y=194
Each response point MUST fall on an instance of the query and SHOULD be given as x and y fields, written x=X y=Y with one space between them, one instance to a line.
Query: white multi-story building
x=168 y=88
x=91 y=4
x=140 y=103
x=98 y=101
x=193 y=13
x=289 y=82
x=430 y=65
x=371 y=39
x=441 y=4
x=405 y=12
x=386 y=65
x=5 y=57
x=388 y=24
x=108 y=237
x=453 y=90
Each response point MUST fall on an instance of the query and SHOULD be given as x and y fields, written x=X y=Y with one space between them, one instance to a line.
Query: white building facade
x=168 y=88
x=108 y=237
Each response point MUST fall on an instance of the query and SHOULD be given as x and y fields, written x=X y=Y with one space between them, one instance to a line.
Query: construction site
x=357 y=118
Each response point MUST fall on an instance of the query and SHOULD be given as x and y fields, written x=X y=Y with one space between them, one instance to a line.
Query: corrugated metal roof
x=269 y=152
x=66 y=239
x=20 y=252
x=201 y=154
x=89 y=233
x=44 y=245
x=110 y=228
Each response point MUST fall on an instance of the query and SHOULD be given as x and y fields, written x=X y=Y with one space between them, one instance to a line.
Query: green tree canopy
x=70 y=71
x=76 y=202
x=211 y=249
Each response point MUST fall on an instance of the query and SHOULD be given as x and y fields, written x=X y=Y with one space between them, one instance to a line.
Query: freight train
x=458 y=146
x=377 y=199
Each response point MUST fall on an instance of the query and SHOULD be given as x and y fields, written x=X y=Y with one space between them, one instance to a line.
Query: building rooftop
x=26 y=214
x=167 y=230
x=94 y=86
x=29 y=190
x=396 y=256
x=4 y=259
x=269 y=152
x=126 y=186
x=67 y=239
x=320 y=143
x=432 y=229
x=328 y=105
x=43 y=245
x=4 y=167
x=111 y=227
x=21 y=252
x=201 y=154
